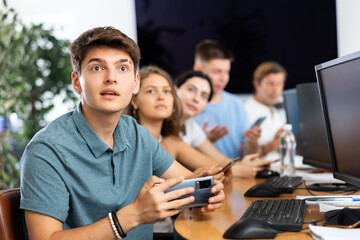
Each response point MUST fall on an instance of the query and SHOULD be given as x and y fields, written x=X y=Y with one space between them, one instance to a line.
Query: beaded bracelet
x=117 y=224
x=113 y=226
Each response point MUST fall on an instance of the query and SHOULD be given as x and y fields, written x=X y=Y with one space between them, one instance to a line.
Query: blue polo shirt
x=231 y=112
x=69 y=173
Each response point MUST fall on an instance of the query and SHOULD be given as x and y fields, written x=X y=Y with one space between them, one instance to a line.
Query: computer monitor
x=292 y=115
x=315 y=149
x=339 y=85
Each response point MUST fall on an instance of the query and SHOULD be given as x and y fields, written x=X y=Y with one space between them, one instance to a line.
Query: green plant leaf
x=33 y=62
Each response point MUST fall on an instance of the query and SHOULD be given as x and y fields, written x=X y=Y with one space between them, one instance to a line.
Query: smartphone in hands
x=277 y=160
x=202 y=190
x=259 y=121
x=273 y=161
x=227 y=166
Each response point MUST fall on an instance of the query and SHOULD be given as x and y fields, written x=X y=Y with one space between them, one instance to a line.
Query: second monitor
x=315 y=149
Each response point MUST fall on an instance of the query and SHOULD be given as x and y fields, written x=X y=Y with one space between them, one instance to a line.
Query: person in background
x=194 y=89
x=269 y=79
x=94 y=173
x=157 y=107
x=229 y=126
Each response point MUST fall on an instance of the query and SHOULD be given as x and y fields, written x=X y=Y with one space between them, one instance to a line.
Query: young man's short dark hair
x=210 y=49
x=102 y=36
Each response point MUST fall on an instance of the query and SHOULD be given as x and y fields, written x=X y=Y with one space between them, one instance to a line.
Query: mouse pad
x=344 y=217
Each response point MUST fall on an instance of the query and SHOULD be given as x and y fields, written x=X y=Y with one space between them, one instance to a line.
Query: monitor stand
x=332 y=187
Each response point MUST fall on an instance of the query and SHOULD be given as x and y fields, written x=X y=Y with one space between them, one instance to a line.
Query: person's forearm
x=177 y=170
x=128 y=218
x=253 y=147
x=210 y=150
x=96 y=231
x=248 y=148
x=101 y=229
x=269 y=147
x=198 y=160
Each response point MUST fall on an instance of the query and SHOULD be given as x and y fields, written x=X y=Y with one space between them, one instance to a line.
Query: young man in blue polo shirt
x=91 y=173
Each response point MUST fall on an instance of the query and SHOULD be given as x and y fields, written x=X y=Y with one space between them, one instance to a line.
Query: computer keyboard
x=285 y=184
x=286 y=214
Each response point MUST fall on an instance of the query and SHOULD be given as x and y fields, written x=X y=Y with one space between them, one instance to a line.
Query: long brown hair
x=171 y=125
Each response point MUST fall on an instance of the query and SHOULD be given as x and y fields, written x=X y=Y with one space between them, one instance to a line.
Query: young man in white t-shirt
x=269 y=79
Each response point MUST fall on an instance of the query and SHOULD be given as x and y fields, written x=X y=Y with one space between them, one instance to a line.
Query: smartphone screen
x=227 y=166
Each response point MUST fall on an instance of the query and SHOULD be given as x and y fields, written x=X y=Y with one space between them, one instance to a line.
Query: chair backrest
x=11 y=224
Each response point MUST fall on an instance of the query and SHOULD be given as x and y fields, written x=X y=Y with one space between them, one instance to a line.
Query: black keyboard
x=286 y=214
x=285 y=184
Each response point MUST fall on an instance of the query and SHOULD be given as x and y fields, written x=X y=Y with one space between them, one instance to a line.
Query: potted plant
x=35 y=68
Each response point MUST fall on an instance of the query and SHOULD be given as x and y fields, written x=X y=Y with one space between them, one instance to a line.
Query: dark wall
x=298 y=34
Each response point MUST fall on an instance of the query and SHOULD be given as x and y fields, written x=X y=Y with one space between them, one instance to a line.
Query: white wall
x=70 y=18
x=348 y=26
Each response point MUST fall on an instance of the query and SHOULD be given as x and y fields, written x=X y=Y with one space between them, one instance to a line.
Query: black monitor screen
x=315 y=149
x=339 y=83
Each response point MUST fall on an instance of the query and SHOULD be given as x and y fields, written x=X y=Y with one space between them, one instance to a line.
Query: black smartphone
x=227 y=166
x=277 y=160
x=259 y=121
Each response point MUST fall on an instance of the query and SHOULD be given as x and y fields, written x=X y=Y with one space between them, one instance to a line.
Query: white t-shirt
x=194 y=136
x=275 y=119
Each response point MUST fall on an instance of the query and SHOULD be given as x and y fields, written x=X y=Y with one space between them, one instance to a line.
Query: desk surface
x=192 y=224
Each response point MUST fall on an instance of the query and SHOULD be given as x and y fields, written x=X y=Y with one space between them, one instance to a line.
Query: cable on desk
x=316 y=221
x=351 y=191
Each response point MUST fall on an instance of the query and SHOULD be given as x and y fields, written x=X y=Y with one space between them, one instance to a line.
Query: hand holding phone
x=276 y=160
x=227 y=166
x=271 y=162
x=202 y=193
x=259 y=121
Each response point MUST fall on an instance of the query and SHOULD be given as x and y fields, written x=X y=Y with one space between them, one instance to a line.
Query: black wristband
x=117 y=224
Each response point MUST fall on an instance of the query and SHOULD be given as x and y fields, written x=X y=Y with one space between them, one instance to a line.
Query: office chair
x=11 y=224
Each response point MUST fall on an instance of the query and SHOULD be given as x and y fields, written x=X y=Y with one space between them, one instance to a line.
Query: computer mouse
x=262 y=190
x=251 y=228
x=266 y=173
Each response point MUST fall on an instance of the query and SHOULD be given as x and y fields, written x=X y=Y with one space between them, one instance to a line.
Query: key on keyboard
x=286 y=214
x=286 y=184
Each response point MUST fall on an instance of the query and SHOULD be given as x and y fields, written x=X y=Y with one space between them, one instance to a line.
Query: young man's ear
x=256 y=84
x=197 y=67
x=136 y=85
x=76 y=82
